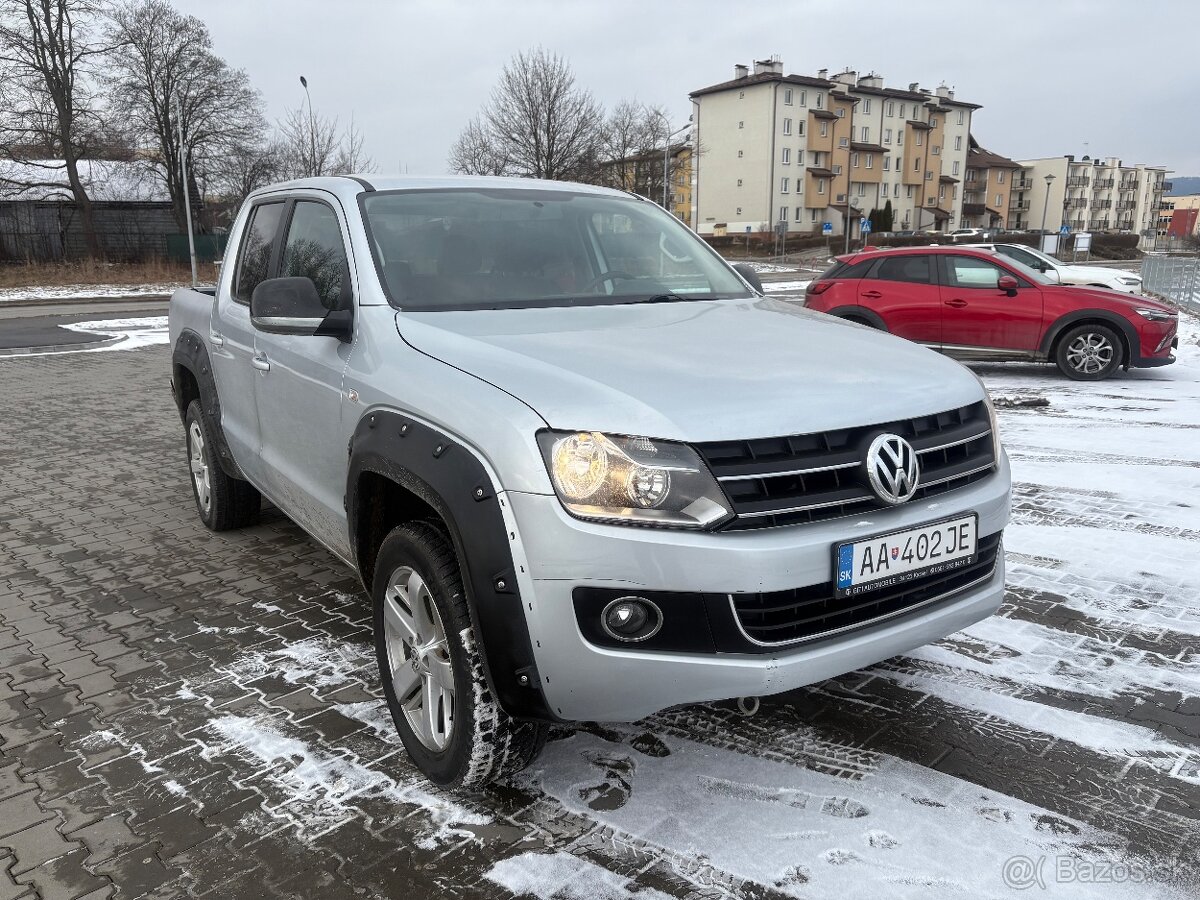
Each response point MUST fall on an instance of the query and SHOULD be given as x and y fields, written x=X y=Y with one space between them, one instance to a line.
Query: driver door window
x=972 y=272
x=314 y=249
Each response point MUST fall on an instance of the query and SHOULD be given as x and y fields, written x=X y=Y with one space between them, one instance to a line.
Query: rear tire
x=431 y=667
x=222 y=502
x=1089 y=352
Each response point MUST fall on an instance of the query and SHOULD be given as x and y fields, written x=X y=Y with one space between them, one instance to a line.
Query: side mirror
x=747 y=272
x=1008 y=284
x=293 y=306
x=1052 y=274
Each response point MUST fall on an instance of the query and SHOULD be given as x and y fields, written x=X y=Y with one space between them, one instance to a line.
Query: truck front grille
x=814 y=477
x=782 y=617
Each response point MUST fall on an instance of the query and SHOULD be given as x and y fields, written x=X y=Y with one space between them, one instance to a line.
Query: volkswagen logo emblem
x=892 y=468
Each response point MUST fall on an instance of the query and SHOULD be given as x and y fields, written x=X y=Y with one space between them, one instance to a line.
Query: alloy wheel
x=199 y=466
x=1090 y=353
x=419 y=658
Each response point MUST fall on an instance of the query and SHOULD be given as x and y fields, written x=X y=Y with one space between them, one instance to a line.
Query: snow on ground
x=110 y=334
x=564 y=877
x=774 y=287
x=106 y=291
x=762 y=267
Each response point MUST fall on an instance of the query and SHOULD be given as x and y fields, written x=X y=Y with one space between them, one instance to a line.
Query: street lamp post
x=667 y=153
x=1046 y=203
x=312 y=132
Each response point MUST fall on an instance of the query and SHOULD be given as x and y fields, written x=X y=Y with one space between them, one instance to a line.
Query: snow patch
x=561 y=876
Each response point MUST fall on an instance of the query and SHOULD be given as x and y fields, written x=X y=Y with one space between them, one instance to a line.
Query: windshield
x=508 y=248
x=1025 y=271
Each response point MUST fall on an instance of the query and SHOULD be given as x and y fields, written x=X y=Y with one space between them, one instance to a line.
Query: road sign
x=827 y=228
x=1083 y=241
x=747 y=229
x=1065 y=230
x=864 y=225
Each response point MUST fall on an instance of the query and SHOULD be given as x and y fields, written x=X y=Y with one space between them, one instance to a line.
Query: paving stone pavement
x=193 y=714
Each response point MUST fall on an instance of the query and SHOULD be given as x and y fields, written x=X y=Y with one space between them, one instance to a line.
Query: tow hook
x=747 y=706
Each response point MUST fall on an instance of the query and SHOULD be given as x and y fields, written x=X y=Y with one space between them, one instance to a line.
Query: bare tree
x=246 y=168
x=538 y=121
x=48 y=49
x=180 y=99
x=313 y=145
x=475 y=153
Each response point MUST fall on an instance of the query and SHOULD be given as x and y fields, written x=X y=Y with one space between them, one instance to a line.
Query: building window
x=820 y=185
x=907 y=193
x=741 y=94
x=820 y=101
x=783 y=213
x=841 y=112
x=787 y=156
x=887 y=164
x=954 y=168
x=739 y=210
x=899 y=137
x=933 y=121
x=837 y=169
x=814 y=215
x=804 y=98
x=958 y=143
x=783 y=185
x=942 y=192
x=865 y=134
x=928 y=176
x=843 y=142
x=887 y=135
x=916 y=165
x=919 y=138
x=739 y=182
x=824 y=129
x=787 y=126
x=854 y=160
x=937 y=151
x=891 y=108
x=960 y=117
x=787 y=96
x=862 y=188
x=1000 y=177
x=902 y=108
x=870 y=160
x=867 y=105
x=998 y=201
x=800 y=128
x=799 y=213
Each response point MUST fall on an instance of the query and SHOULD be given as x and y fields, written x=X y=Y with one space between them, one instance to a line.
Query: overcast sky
x=1100 y=77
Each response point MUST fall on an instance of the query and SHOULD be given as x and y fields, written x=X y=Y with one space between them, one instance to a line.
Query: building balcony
x=1168 y=186
x=1101 y=204
x=1018 y=204
x=974 y=209
x=1077 y=203
x=1129 y=185
x=1077 y=181
x=1099 y=225
x=1126 y=205
x=1022 y=184
x=1103 y=184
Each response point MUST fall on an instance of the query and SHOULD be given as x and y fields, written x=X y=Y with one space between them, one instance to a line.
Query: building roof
x=824 y=114
x=918 y=124
x=872 y=148
x=979 y=158
x=105 y=181
x=820 y=172
x=764 y=78
x=947 y=179
x=937 y=211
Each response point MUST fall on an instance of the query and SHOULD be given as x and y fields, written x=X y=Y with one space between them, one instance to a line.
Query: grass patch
x=88 y=272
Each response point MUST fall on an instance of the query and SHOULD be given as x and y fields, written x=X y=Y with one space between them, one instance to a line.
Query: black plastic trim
x=448 y=477
x=861 y=312
x=366 y=185
x=191 y=353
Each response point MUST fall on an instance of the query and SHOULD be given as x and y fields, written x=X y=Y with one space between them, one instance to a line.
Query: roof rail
x=366 y=185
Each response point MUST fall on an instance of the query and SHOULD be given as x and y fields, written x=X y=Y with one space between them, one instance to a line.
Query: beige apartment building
x=1093 y=195
x=987 y=190
x=806 y=150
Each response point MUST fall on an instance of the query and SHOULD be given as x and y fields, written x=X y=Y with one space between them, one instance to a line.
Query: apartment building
x=643 y=172
x=807 y=150
x=1094 y=195
x=1179 y=217
x=988 y=188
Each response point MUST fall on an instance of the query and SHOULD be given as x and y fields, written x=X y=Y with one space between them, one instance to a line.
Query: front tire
x=1089 y=353
x=222 y=502
x=432 y=668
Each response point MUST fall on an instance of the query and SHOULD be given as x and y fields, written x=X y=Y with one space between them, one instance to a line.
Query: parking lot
x=187 y=714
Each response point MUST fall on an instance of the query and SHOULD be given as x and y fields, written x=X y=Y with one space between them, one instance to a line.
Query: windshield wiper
x=660 y=298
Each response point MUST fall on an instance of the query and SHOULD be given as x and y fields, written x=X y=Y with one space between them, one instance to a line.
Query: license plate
x=887 y=560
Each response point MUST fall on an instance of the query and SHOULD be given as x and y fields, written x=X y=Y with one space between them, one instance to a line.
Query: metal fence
x=1175 y=277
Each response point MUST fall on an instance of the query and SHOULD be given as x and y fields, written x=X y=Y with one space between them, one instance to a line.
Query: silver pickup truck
x=584 y=468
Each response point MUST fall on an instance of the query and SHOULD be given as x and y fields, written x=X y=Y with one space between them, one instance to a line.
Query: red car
x=979 y=305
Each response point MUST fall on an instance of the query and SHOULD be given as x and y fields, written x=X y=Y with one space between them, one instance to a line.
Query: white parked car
x=1067 y=273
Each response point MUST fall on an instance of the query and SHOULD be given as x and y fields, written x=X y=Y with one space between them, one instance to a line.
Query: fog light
x=631 y=619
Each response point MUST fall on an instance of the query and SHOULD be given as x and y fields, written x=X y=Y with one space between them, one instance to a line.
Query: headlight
x=1131 y=280
x=632 y=480
x=1157 y=315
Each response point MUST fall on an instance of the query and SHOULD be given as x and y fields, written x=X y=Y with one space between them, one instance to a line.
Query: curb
x=84 y=301
x=61 y=348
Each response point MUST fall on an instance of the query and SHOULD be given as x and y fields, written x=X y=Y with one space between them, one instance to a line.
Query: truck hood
x=694 y=371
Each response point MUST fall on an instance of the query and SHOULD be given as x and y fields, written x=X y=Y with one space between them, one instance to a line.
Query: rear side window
x=848 y=270
x=913 y=269
x=254 y=262
x=314 y=249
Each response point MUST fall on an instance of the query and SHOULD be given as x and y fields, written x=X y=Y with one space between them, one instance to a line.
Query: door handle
x=874 y=295
x=215 y=339
x=956 y=303
x=261 y=363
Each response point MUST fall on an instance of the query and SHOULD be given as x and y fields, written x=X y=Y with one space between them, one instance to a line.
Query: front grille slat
x=784 y=617
x=814 y=477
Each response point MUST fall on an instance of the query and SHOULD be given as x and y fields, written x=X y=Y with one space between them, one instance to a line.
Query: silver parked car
x=585 y=470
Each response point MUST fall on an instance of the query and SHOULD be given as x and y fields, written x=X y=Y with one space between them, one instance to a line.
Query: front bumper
x=584 y=681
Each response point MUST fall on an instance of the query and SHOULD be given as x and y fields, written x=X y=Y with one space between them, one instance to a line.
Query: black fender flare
x=447 y=476
x=859 y=312
x=191 y=353
x=1075 y=317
